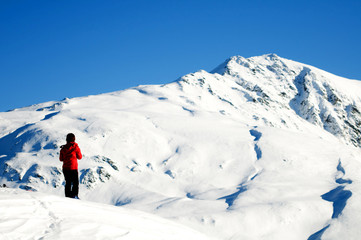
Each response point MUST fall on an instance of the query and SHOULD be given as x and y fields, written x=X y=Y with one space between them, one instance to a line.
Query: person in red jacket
x=69 y=155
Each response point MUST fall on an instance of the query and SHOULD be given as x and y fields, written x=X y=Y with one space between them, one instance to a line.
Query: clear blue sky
x=55 y=49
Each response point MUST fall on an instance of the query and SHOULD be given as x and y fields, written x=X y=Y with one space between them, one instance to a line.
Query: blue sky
x=55 y=49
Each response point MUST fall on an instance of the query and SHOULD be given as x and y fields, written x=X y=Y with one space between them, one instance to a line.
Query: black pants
x=71 y=183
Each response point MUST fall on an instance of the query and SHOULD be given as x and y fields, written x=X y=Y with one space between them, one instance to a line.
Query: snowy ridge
x=247 y=151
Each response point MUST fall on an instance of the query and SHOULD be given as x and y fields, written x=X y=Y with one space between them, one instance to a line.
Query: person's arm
x=61 y=156
x=78 y=153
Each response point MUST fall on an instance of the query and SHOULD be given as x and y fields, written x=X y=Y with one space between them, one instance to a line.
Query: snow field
x=28 y=215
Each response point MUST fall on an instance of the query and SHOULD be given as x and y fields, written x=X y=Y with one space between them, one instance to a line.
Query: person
x=69 y=155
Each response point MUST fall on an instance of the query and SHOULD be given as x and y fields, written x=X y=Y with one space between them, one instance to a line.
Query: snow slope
x=28 y=215
x=259 y=148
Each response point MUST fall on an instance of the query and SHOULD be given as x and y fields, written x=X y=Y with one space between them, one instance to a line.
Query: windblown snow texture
x=28 y=215
x=259 y=148
x=243 y=186
x=338 y=197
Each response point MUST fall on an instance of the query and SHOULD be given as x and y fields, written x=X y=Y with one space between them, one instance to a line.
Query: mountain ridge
x=309 y=91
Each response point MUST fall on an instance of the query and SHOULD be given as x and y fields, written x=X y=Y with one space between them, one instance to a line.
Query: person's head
x=70 y=137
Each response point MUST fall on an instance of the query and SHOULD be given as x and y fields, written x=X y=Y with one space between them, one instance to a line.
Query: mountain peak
x=233 y=63
x=273 y=82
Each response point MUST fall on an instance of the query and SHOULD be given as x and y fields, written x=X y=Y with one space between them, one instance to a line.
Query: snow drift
x=28 y=215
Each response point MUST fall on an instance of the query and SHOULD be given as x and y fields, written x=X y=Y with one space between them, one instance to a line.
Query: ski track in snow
x=338 y=196
x=40 y=211
x=31 y=215
x=54 y=220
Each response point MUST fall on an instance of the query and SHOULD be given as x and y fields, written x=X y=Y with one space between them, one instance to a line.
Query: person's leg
x=68 y=181
x=75 y=181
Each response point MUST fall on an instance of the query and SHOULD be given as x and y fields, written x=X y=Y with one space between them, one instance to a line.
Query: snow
x=251 y=150
x=29 y=215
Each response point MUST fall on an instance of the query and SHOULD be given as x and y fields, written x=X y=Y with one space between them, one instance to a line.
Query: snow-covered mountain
x=259 y=148
x=330 y=102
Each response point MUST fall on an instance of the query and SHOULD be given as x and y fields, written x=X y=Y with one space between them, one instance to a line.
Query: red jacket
x=69 y=155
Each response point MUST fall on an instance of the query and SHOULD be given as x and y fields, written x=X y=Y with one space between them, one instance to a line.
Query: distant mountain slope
x=248 y=151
